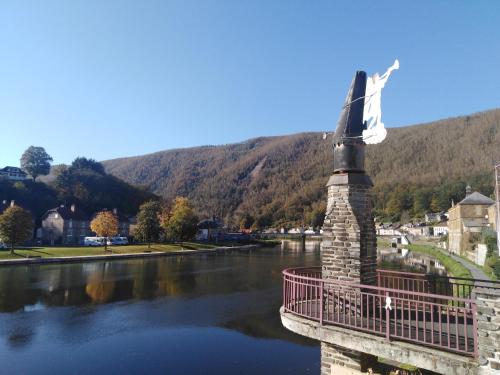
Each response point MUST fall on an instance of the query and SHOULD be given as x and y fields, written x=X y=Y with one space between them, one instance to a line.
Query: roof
x=13 y=169
x=441 y=224
x=67 y=214
x=209 y=224
x=477 y=198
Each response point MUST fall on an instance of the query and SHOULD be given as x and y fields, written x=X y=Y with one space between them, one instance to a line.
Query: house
x=210 y=229
x=13 y=173
x=388 y=229
x=432 y=217
x=419 y=230
x=65 y=226
x=467 y=219
x=440 y=229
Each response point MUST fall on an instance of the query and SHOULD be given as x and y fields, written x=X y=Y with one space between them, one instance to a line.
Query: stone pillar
x=488 y=329
x=349 y=247
x=348 y=253
x=339 y=361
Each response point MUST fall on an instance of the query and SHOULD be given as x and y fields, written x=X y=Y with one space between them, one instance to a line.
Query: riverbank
x=42 y=255
x=452 y=266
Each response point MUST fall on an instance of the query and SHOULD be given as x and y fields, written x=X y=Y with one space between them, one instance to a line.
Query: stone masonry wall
x=340 y=361
x=488 y=329
x=349 y=249
x=348 y=253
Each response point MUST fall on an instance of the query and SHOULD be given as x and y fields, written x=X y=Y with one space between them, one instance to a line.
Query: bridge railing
x=444 y=322
x=430 y=283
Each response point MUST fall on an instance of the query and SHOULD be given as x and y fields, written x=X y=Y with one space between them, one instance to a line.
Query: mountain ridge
x=293 y=169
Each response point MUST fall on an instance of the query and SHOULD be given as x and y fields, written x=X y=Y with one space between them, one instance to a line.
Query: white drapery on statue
x=375 y=131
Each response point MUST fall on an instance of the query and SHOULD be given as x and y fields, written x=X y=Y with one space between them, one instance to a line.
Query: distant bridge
x=432 y=322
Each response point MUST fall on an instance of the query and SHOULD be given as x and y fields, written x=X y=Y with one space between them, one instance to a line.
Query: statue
x=375 y=131
x=360 y=122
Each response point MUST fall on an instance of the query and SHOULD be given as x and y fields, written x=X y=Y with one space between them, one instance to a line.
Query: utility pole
x=497 y=203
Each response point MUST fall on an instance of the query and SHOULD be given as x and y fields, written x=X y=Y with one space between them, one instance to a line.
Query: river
x=202 y=314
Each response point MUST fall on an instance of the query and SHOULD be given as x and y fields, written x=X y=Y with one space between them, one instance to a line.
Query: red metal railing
x=430 y=283
x=444 y=322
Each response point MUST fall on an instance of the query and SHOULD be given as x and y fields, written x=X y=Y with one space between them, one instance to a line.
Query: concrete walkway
x=476 y=272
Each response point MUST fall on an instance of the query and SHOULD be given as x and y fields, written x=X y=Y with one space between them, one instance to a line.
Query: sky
x=107 y=79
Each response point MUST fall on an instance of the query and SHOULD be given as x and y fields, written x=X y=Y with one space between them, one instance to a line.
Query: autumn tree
x=36 y=161
x=105 y=224
x=182 y=223
x=16 y=226
x=148 y=222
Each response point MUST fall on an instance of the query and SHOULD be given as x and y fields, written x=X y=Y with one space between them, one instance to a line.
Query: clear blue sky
x=106 y=79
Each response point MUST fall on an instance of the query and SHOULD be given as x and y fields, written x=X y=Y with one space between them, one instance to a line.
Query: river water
x=202 y=314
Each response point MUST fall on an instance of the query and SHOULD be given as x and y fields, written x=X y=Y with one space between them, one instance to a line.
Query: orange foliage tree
x=105 y=224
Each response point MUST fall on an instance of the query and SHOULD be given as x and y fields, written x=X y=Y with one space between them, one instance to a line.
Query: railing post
x=474 y=328
x=321 y=301
x=387 y=320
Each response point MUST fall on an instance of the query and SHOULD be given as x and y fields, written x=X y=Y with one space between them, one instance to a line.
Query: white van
x=93 y=241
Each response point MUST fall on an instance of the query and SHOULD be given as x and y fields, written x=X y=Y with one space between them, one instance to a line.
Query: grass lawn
x=56 y=251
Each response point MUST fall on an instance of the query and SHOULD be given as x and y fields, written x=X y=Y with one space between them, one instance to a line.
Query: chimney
x=62 y=206
x=468 y=190
x=12 y=203
x=73 y=208
x=4 y=202
x=115 y=211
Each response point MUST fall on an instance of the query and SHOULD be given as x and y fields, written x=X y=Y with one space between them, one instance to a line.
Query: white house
x=440 y=229
x=13 y=173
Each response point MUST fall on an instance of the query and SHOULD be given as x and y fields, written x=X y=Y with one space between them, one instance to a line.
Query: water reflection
x=406 y=260
x=109 y=309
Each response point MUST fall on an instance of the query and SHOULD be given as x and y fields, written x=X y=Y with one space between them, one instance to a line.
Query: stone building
x=466 y=221
x=65 y=226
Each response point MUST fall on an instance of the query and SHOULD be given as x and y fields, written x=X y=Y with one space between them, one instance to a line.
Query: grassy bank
x=452 y=266
x=56 y=251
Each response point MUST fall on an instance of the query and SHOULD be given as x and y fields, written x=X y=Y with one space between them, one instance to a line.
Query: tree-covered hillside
x=281 y=180
x=84 y=183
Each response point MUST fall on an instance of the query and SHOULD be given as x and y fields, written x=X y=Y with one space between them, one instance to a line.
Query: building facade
x=466 y=221
x=65 y=226
x=13 y=173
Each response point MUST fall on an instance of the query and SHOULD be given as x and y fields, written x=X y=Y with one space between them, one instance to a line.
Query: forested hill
x=281 y=180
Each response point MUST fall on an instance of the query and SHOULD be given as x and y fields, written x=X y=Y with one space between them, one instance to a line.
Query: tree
x=36 y=161
x=182 y=223
x=82 y=163
x=105 y=224
x=16 y=226
x=148 y=222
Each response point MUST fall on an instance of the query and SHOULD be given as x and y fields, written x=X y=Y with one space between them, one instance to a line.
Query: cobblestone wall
x=488 y=329
x=349 y=249
x=348 y=253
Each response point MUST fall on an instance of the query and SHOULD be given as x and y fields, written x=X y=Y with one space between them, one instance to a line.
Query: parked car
x=93 y=241
x=118 y=241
